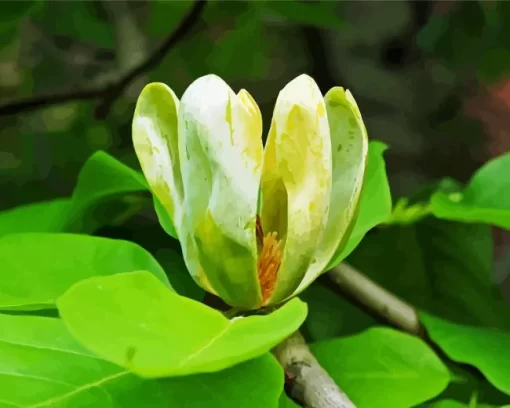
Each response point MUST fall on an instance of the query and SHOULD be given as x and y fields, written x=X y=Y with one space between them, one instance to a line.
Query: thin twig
x=309 y=383
x=110 y=92
x=395 y=310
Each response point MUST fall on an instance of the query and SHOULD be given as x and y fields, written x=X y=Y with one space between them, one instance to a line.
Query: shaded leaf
x=375 y=203
x=43 y=366
x=286 y=402
x=102 y=177
x=37 y=268
x=331 y=315
x=165 y=334
x=439 y=266
x=381 y=368
x=101 y=196
x=171 y=260
x=486 y=349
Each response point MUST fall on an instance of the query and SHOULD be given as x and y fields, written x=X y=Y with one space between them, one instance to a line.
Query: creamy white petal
x=349 y=144
x=296 y=179
x=221 y=154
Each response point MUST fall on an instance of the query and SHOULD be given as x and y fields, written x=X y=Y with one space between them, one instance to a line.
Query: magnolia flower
x=256 y=225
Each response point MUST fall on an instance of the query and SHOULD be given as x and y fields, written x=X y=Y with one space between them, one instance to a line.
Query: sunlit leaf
x=486 y=199
x=381 y=368
x=486 y=349
x=135 y=321
x=43 y=366
x=37 y=268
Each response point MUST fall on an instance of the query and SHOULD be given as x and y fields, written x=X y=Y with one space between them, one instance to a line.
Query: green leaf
x=375 y=203
x=103 y=177
x=43 y=366
x=383 y=368
x=320 y=14
x=486 y=199
x=469 y=385
x=136 y=322
x=40 y=267
x=37 y=217
x=440 y=266
x=486 y=349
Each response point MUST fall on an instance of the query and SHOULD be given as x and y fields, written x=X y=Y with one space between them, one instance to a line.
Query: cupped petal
x=296 y=180
x=155 y=138
x=349 y=144
x=221 y=159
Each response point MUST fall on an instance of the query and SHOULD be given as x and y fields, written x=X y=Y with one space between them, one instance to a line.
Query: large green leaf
x=101 y=179
x=382 y=367
x=375 y=203
x=42 y=365
x=486 y=199
x=486 y=349
x=442 y=267
x=135 y=321
x=37 y=268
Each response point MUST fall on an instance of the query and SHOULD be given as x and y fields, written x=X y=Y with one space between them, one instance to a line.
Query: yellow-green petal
x=221 y=154
x=349 y=144
x=296 y=179
x=155 y=140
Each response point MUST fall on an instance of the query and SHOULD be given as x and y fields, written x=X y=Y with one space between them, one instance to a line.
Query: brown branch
x=309 y=383
x=382 y=302
x=110 y=92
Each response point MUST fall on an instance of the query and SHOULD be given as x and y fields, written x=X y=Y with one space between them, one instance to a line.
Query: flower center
x=270 y=258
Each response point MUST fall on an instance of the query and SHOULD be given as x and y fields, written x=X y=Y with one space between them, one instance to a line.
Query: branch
x=379 y=300
x=110 y=92
x=310 y=383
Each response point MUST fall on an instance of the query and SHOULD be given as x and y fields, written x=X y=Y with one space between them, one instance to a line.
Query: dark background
x=431 y=80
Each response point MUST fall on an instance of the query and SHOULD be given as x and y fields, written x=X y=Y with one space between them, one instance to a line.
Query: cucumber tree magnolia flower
x=256 y=225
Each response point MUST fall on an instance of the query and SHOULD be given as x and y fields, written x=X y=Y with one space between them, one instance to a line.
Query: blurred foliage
x=259 y=46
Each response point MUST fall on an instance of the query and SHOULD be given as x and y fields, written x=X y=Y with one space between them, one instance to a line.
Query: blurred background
x=431 y=79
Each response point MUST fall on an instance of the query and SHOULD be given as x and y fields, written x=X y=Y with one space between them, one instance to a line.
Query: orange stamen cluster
x=270 y=258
